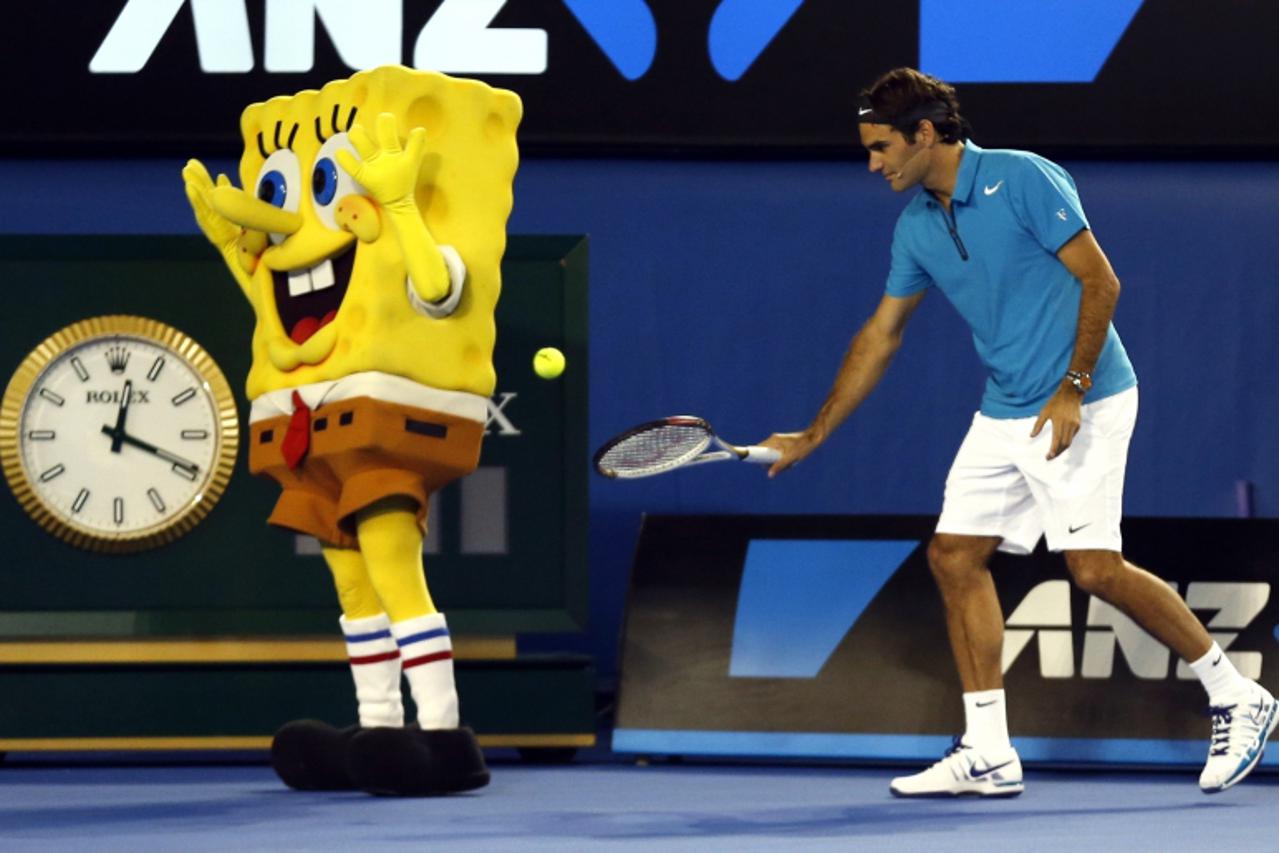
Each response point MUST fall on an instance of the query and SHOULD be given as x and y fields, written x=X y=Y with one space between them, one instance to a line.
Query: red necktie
x=298 y=438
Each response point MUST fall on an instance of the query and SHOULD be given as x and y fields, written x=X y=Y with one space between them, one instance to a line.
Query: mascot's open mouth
x=308 y=299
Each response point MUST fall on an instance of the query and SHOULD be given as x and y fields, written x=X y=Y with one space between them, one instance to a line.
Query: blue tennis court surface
x=668 y=807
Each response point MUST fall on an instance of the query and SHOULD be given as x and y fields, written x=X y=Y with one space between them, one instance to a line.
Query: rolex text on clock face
x=119 y=435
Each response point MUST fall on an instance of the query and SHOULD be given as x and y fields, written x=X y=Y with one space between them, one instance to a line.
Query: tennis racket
x=676 y=442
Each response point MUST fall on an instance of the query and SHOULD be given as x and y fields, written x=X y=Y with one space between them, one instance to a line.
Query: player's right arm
x=871 y=351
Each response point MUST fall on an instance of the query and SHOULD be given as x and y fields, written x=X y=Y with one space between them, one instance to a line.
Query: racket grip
x=760 y=455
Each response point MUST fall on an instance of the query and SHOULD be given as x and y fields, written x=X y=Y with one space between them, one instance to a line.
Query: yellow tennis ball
x=548 y=363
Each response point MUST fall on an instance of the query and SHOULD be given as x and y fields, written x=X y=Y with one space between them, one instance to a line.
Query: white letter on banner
x=1146 y=656
x=221 y=36
x=497 y=415
x=457 y=40
x=1237 y=604
x=1048 y=604
x=365 y=34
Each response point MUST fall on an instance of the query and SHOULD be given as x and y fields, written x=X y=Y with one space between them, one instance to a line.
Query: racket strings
x=655 y=449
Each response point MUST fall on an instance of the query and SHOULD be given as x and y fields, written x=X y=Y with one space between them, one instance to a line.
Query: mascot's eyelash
x=279 y=125
x=333 y=121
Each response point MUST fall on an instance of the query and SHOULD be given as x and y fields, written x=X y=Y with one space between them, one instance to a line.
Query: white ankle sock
x=427 y=655
x=986 y=720
x=1219 y=676
x=375 y=667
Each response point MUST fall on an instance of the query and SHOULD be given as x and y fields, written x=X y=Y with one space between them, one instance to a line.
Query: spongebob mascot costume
x=368 y=238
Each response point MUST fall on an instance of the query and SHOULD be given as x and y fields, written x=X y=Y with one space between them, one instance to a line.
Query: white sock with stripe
x=375 y=667
x=427 y=655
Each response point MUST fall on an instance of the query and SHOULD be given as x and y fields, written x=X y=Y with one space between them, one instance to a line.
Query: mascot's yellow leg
x=375 y=659
x=351 y=577
x=391 y=543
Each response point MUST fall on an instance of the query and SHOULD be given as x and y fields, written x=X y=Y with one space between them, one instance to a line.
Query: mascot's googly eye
x=329 y=181
x=280 y=184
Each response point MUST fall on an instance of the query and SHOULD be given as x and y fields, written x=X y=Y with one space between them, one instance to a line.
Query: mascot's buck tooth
x=368 y=238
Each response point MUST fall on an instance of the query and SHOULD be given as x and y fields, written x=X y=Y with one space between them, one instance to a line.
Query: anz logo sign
x=1070 y=43
x=365 y=33
x=1044 y=615
x=457 y=39
x=798 y=600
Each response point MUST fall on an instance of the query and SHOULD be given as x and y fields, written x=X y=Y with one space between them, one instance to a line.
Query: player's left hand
x=1065 y=410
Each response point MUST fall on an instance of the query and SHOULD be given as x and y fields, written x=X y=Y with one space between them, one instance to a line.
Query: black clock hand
x=117 y=436
x=125 y=438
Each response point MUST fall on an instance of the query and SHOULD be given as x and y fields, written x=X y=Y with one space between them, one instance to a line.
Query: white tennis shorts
x=1002 y=485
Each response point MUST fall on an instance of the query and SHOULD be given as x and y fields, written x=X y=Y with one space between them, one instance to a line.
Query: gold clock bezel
x=22 y=383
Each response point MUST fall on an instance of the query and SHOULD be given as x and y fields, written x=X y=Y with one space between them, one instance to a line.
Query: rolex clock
x=118 y=433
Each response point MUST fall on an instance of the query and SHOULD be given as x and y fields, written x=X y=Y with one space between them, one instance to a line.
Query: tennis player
x=1003 y=236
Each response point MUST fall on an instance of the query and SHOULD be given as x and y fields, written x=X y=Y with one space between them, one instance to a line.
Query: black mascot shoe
x=310 y=755
x=412 y=762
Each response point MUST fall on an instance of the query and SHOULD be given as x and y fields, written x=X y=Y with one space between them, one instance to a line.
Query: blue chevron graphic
x=799 y=597
x=742 y=29
x=1013 y=41
x=623 y=29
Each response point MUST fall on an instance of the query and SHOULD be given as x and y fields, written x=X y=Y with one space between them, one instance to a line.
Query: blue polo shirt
x=995 y=258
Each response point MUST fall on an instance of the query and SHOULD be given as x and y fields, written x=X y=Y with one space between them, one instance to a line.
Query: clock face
x=122 y=436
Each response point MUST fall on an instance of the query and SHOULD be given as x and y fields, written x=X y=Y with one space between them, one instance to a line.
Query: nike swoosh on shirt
x=994 y=189
x=974 y=773
x=862 y=111
x=1079 y=528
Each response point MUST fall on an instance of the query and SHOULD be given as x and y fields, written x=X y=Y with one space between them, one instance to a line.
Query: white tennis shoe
x=964 y=770
x=1239 y=732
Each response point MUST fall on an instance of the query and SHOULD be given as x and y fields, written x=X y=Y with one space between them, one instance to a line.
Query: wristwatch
x=1081 y=380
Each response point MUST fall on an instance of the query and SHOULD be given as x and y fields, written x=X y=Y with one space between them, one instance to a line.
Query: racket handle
x=760 y=455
